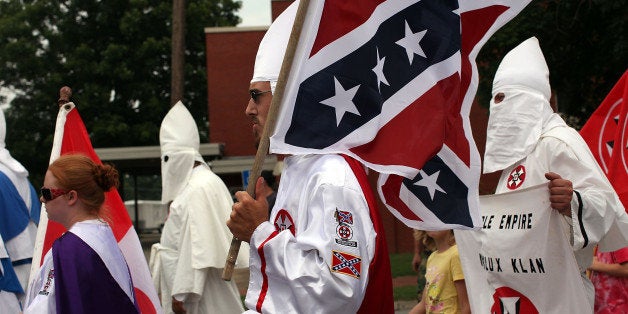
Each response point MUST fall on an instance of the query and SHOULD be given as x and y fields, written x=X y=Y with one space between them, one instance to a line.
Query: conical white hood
x=7 y=162
x=179 y=140
x=273 y=47
x=524 y=66
x=516 y=123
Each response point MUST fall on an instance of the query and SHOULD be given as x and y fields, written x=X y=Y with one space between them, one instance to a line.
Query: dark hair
x=88 y=179
x=269 y=178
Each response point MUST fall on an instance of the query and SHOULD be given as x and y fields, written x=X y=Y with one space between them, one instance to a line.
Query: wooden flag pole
x=273 y=111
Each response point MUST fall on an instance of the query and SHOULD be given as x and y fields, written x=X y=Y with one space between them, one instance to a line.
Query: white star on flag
x=429 y=181
x=342 y=102
x=412 y=43
x=379 y=71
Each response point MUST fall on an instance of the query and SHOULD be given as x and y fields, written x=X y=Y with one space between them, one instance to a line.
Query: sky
x=255 y=13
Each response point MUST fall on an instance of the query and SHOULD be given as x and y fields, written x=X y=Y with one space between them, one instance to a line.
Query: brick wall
x=230 y=58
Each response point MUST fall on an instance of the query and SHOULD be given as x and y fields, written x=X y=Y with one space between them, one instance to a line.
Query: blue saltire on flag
x=391 y=83
x=14 y=219
x=14 y=215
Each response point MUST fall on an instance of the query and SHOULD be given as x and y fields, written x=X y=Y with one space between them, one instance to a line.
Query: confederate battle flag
x=391 y=84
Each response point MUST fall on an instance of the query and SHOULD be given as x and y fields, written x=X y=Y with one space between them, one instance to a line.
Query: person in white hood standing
x=187 y=263
x=533 y=145
x=19 y=212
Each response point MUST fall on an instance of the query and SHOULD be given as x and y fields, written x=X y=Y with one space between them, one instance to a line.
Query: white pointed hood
x=516 y=124
x=7 y=162
x=179 y=141
x=273 y=46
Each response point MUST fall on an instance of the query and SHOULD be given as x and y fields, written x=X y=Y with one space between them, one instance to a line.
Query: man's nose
x=251 y=108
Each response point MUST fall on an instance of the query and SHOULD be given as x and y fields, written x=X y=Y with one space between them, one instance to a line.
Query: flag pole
x=273 y=111
x=65 y=93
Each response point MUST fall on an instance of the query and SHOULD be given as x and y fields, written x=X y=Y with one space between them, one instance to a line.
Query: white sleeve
x=324 y=268
x=593 y=199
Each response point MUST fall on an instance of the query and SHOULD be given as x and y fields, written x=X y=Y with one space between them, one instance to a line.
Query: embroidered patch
x=44 y=291
x=346 y=263
x=283 y=221
x=344 y=217
x=344 y=231
x=516 y=177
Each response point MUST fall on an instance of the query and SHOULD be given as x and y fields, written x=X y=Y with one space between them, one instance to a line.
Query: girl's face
x=55 y=207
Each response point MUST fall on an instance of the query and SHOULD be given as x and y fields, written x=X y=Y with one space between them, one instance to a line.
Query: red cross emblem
x=508 y=300
x=344 y=232
x=283 y=221
x=516 y=177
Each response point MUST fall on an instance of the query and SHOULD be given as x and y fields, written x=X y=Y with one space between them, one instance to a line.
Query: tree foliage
x=584 y=43
x=114 y=54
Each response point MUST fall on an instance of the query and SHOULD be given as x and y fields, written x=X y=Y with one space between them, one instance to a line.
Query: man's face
x=257 y=108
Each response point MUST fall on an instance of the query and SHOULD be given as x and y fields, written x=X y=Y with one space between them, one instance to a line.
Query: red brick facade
x=230 y=58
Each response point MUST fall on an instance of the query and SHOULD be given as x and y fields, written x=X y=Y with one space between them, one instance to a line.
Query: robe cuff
x=261 y=234
x=579 y=239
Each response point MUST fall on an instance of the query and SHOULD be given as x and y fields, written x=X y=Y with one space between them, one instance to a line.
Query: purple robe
x=83 y=283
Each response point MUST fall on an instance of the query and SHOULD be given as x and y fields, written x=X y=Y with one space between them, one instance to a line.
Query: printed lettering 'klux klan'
x=606 y=133
x=391 y=83
x=519 y=249
x=71 y=137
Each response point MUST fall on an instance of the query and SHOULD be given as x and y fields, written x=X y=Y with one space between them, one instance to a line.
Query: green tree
x=114 y=54
x=584 y=43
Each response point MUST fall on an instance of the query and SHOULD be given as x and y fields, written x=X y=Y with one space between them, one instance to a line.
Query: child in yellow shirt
x=444 y=291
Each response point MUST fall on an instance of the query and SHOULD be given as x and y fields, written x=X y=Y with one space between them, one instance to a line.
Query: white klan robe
x=321 y=251
x=24 y=203
x=526 y=139
x=188 y=261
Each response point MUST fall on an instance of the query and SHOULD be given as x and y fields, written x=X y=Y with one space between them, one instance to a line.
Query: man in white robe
x=187 y=263
x=19 y=204
x=323 y=249
x=532 y=145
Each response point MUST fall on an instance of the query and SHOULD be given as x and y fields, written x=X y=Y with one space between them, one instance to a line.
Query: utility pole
x=178 y=51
